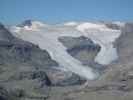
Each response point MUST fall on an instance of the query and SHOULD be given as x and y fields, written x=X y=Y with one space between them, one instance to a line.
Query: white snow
x=83 y=26
x=103 y=36
x=47 y=39
x=70 y=23
x=15 y=29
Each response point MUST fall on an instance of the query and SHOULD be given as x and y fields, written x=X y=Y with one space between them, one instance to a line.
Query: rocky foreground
x=29 y=73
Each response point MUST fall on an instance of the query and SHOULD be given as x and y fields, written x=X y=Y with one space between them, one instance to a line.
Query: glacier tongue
x=47 y=38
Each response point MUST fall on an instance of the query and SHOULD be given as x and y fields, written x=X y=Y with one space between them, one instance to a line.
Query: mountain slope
x=30 y=68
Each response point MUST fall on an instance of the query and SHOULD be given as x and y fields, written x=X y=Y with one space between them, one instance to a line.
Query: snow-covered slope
x=103 y=36
x=47 y=38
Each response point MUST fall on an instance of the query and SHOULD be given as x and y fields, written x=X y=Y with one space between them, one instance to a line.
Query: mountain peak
x=31 y=25
x=26 y=23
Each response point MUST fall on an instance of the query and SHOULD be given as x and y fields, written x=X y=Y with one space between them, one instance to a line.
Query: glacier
x=46 y=37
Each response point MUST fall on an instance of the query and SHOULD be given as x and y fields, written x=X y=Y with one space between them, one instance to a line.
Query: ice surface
x=47 y=38
x=103 y=36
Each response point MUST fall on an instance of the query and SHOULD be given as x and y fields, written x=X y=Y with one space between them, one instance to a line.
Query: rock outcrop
x=81 y=48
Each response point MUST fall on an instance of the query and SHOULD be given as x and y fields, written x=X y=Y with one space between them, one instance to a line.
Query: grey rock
x=113 y=26
x=5 y=34
x=64 y=78
x=128 y=28
x=81 y=48
x=70 y=81
x=23 y=53
x=124 y=43
x=41 y=75
x=3 y=94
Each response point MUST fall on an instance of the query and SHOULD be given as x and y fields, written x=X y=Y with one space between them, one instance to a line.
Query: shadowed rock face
x=113 y=26
x=84 y=50
x=73 y=80
x=3 y=94
x=128 y=28
x=81 y=48
x=125 y=43
x=24 y=53
x=5 y=34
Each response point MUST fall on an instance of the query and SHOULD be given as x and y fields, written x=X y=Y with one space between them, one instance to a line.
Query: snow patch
x=82 y=27
x=71 y=24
